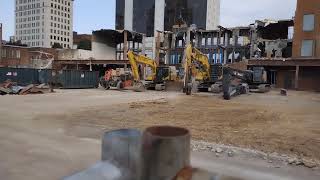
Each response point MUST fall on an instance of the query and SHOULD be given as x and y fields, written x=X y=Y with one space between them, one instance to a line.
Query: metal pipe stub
x=122 y=148
x=165 y=151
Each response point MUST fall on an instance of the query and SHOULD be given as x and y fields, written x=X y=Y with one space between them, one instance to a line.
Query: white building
x=41 y=23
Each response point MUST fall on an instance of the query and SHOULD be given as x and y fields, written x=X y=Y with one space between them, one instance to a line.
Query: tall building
x=306 y=40
x=148 y=16
x=41 y=23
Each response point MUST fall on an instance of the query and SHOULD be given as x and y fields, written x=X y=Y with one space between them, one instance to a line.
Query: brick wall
x=306 y=7
x=16 y=56
x=309 y=79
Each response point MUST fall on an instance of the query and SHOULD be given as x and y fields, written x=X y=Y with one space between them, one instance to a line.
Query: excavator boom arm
x=192 y=57
x=136 y=59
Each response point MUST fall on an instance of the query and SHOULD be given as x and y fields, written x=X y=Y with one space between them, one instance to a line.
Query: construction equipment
x=196 y=68
x=236 y=82
x=113 y=80
x=158 y=77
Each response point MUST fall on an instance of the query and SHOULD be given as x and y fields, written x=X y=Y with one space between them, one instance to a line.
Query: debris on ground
x=229 y=151
x=219 y=150
x=11 y=88
x=284 y=92
x=137 y=105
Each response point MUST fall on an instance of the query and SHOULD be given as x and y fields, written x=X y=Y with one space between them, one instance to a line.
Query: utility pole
x=125 y=47
x=0 y=41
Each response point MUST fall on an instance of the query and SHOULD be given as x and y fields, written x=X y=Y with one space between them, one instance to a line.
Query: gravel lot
x=54 y=135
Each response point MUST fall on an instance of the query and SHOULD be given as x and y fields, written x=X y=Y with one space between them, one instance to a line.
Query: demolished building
x=263 y=39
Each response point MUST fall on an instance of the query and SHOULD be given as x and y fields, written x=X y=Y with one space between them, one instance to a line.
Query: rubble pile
x=11 y=88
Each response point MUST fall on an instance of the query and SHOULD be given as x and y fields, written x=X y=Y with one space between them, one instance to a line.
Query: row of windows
x=58 y=13
x=308 y=45
x=35 y=43
x=60 y=7
x=26 y=13
x=29 y=25
x=60 y=26
x=60 y=19
x=10 y=53
x=65 y=2
x=62 y=44
x=59 y=32
x=59 y=38
x=28 y=7
x=31 y=37
x=32 y=18
x=25 y=1
x=30 y=31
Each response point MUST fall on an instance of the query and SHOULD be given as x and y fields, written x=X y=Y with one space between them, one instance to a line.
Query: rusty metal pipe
x=122 y=148
x=165 y=151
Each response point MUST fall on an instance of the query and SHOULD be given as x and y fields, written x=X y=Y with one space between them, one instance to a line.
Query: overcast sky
x=100 y=14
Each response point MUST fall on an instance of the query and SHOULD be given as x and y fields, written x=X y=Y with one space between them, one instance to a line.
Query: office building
x=148 y=16
x=42 y=23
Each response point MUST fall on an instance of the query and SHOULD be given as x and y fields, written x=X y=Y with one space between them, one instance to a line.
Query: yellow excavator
x=156 y=80
x=196 y=68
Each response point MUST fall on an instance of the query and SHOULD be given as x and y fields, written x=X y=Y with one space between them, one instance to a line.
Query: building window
x=307 y=48
x=203 y=42
x=4 y=53
x=308 y=22
x=209 y=41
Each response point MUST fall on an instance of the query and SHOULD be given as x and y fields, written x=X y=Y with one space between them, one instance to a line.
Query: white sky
x=244 y=12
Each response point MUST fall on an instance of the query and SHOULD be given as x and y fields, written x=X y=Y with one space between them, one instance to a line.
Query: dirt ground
x=266 y=122
x=63 y=129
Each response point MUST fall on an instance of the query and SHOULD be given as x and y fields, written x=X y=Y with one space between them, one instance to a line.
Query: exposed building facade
x=306 y=42
x=148 y=16
x=41 y=23
x=262 y=39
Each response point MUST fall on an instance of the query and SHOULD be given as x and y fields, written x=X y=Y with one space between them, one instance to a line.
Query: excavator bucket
x=176 y=86
x=139 y=87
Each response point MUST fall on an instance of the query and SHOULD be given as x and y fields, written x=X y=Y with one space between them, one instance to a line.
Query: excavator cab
x=196 y=67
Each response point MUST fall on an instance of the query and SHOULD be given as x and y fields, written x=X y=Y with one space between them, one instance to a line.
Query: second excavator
x=196 y=69
x=158 y=77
